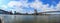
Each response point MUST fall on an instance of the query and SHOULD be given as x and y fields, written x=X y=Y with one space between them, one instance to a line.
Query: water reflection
x=31 y=19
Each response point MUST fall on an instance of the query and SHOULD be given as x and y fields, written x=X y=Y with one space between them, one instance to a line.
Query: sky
x=28 y=6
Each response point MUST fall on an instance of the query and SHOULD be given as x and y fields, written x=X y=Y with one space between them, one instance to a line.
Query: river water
x=31 y=19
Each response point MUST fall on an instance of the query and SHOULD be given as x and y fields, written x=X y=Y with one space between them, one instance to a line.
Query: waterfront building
x=4 y=12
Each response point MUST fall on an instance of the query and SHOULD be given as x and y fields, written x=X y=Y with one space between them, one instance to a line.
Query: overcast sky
x=28 y=6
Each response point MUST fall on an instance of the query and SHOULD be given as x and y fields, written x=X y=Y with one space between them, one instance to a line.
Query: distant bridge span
x=48 y=12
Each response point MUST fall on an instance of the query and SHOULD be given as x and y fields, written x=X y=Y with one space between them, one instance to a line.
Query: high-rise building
x=14 y=12
x=35 y=12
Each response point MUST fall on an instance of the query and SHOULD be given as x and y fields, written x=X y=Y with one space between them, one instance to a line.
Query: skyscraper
x=35 y=12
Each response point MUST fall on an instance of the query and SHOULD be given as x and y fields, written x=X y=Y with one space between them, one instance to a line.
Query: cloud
x=36 y=5
x=19 y=5
x=47 y=8
x=3 y=7
x=39 y=5
x=14 y=3
x=58 y=6
x=30 y=12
